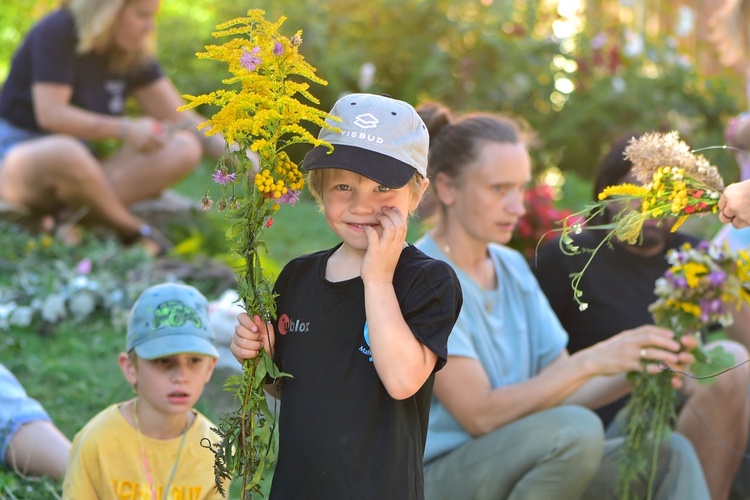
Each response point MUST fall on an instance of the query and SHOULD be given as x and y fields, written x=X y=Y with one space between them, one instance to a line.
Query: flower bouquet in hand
x=676 y=183
x=702 y=287
x=259 y=113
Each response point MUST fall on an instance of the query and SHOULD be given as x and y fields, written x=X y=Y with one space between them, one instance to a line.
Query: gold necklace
x=146 y=464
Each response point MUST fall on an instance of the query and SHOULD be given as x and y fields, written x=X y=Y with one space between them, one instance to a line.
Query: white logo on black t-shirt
x=116 y=90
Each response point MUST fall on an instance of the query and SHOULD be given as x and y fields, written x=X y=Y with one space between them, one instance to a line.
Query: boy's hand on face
x=250 y=336
x=384 y=246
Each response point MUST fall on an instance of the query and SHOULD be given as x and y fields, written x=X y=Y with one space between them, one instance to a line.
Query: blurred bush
x=581 y=77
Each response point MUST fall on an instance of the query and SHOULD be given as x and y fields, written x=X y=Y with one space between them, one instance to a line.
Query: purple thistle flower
x=278 y=49
x=710 y=309
x=717 y=277
x=223 y=178
x=290 y=197
x=249 y=60
x=680 y=282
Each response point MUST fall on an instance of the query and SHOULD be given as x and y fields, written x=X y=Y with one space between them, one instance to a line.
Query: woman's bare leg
x=46 y=173
x=135 y=176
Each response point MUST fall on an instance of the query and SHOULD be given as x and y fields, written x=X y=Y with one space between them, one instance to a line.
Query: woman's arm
x=591 y=377
x=54 y=113
x=161 y=99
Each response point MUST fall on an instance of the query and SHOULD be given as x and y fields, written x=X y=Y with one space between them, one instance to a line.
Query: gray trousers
x=557 y=454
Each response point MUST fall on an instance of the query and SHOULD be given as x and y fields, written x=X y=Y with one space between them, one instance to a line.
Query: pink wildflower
x=269 y=222
x=290 y=197
x=278 y=49
x=84 y=267
x=222 y=177
x=250 y=60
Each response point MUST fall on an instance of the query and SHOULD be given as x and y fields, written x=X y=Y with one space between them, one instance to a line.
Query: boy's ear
x=129 y=370
x=212 y=362
x=417 y=196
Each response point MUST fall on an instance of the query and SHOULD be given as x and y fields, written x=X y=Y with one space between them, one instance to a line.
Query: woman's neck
x=471 y=256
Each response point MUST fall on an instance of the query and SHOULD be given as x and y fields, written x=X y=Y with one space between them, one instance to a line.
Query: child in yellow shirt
x=150 y=446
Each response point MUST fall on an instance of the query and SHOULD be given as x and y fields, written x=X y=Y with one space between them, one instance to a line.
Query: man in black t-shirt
x=618 y=286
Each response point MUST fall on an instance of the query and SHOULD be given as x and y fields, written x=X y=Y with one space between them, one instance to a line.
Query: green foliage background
x=496 y=55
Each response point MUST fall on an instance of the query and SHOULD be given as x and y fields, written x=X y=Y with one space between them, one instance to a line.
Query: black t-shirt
x=618 y=287
x=48 y=54
x=341 y=435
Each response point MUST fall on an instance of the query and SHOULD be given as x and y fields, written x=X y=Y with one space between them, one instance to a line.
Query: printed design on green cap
x=175 y=314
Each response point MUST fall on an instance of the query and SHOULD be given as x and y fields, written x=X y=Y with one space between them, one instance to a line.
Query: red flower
x=269 y=222
x=541 y=217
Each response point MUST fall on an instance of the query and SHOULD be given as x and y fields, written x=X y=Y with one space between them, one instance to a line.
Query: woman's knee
x=55 y=155
x=189 y=151
x=48 y=166
x=581 y=433
x=737 y=380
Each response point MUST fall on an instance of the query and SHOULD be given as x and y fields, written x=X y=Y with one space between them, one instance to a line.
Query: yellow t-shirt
x=106 y=462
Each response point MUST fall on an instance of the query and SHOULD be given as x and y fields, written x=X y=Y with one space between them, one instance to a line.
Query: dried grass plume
x=655 y=150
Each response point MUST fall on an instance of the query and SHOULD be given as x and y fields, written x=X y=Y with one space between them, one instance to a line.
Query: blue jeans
x=10 y=135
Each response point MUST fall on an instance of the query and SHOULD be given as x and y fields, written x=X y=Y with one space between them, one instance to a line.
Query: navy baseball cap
x=382 y=138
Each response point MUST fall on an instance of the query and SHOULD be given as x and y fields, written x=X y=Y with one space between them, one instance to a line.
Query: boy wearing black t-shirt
x=361 y=327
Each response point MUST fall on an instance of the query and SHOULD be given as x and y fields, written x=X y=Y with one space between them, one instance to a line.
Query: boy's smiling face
x=351 y=202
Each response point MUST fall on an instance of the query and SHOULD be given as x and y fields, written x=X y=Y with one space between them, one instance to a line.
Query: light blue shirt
x=511 y=330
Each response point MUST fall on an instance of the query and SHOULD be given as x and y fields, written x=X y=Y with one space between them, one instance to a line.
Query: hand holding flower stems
x=676 y=183
x=702 y=287
x=260 y=112
x=734 y=205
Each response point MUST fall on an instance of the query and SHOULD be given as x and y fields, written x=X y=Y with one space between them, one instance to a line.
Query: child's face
x=172 y=384
x=352 y=201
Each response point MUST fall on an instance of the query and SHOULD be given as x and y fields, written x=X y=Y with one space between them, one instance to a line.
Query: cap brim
x=381 y=168
x=175 y=344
